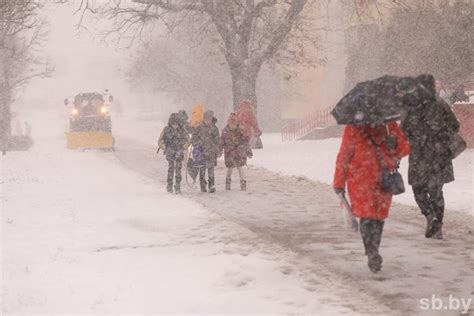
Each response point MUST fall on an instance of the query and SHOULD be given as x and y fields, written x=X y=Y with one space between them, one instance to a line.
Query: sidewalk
x=304 y=217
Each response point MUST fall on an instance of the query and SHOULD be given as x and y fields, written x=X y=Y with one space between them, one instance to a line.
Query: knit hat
x=233 y=119
x=208 y=114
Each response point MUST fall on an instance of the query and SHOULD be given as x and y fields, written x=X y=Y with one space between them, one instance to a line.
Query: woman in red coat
x=235 y=145
x=248 y=123
x=358 y=165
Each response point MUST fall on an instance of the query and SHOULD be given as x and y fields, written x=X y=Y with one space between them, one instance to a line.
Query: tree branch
x=280 y=33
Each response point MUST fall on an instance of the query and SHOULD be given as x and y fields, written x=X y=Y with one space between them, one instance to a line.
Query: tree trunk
x=244 y=86
x=5 y=126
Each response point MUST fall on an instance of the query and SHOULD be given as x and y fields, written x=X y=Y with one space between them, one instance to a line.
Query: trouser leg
x=427 y=198
x=241 y=173
x=422 y=198
x=171 y=168
x=202 y=178
x=437 y=199
x=169 y=180
x=228 y=178
x=229 y=173
x=210 y=171
x=178 y=168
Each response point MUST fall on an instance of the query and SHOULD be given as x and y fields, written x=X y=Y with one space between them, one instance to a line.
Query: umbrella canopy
x=381 y=100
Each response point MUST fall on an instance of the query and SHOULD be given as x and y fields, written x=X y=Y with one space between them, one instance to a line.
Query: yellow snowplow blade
x=90 y=140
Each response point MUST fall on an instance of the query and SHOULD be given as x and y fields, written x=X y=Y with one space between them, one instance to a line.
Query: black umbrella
x=380 y=100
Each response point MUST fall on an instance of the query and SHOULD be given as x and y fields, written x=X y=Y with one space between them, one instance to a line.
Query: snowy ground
x=316 y=161
x=80 y=233
x=94 y=232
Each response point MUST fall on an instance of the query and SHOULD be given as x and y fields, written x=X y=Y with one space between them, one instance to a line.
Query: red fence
x=298 y=129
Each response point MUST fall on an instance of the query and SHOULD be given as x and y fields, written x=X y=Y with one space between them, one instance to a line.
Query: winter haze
x=185 y=156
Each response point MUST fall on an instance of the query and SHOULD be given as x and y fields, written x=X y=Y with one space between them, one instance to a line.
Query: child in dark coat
x=174 y=141
x=235 y=145
x=206 y=140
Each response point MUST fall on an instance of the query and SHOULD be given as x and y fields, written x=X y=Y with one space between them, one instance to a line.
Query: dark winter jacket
x=206 y=139
x=235 y=146
x=174 y=141
x=428 y=129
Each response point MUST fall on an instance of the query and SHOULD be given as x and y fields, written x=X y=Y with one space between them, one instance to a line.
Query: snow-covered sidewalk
x=82 y=234
x=304 y=217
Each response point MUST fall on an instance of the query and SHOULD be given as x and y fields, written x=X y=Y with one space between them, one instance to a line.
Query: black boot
x=431 y=224
x=375 y=259
x=169 y=188
x=212 y=188
x=227 y=183
x=203 y=187
x=375 y=262
x=438 y=234
x=177 y=189
x=365 y=228
x=243 y=185
x=371 y=232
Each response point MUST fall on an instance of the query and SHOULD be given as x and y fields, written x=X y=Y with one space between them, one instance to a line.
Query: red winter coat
x=247 y=120
x=235 y=145
x=358 y=165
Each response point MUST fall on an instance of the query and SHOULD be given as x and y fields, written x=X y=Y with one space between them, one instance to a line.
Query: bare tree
x=247 y=32
x=188 y=76
x=21 y=33
x=434 y=37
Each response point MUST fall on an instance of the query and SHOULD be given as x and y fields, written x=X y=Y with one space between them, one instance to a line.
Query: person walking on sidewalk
x=358 y=164
x=206 y=140
x=429 y=127
x=249 y=124
x=174 y=141
x=235 y=146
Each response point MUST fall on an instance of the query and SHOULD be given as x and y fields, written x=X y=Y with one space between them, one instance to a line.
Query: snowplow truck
x=90 y=126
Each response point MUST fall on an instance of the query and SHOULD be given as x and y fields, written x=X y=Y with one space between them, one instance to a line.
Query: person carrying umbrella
x=359 y=167
x=429 y=125
x=368 y=150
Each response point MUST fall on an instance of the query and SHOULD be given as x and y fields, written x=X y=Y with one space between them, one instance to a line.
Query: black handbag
x=391 y=180
x=457 y=145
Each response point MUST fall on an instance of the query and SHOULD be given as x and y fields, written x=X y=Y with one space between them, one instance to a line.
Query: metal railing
x=298 y=129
